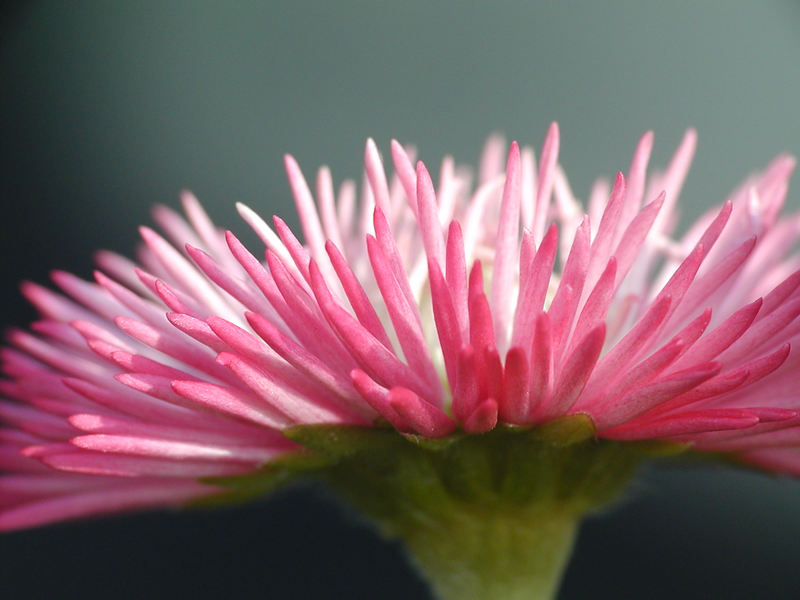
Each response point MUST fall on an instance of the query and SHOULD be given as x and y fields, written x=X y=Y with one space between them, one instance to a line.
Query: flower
x=438 y=311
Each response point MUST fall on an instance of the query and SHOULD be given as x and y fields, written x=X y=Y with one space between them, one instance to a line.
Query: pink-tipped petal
x=89 y=503
x=230 y=402
x=446 y=319
x=372 y=356
x=542 y=365
x=506 y=248
x=483 y=418
x=575 y=373
x=619 y=409
x=376 y=175
x=429 y=225
x=683 y=424
x=193 y=362
x=466 y=391
x=535 y=278
x=547 y=166
x=404 y=316
x=515 y=402
x=424 y=418
x=306 y=208
x=359 y=301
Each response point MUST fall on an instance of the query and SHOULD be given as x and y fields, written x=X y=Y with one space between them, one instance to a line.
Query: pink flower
x=432 y=308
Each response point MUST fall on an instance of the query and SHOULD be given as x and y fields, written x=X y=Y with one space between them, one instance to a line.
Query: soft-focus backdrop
x=109 y=107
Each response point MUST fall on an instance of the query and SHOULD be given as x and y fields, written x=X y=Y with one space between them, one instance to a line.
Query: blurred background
x=107 y=108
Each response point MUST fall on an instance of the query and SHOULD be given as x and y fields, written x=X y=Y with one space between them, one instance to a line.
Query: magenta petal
x=359 y=301
x=96 y=502
x=542 y=366
x=682 y=424
x=429 y=225
x=536 y=277
x=378 y=399
x=515 y=403
x=373 y=357
x=424 y=418
x=192 y=362
x=406 y=173
x=404 y=316
x=575 y=373
x=483 y=418
x=506 y=247
x=228 y=401
x=619 y=409
x=446 y=319
x=466 y=391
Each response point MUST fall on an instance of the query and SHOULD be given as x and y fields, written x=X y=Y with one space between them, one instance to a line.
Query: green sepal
x=434 y=444
x=660 y=448
x=285 y=469
x=567 y=430
x=340 y=441
x=243 y=488
x=302 y=460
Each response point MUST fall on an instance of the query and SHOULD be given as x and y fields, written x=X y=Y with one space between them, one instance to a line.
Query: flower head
x=428 y=308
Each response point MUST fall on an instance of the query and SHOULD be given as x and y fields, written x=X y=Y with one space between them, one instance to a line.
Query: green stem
x=497 y=556
x=489 y=517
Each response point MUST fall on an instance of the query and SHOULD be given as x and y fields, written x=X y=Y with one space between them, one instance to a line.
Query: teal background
x=109 y=107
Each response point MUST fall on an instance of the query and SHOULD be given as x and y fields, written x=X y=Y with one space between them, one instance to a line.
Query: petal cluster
x=433 y=307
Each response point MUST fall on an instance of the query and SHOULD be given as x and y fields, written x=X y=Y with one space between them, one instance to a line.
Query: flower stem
x=490 y=517
x=495 y=556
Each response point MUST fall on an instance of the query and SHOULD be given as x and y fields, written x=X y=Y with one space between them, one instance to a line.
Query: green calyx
x=484 y=516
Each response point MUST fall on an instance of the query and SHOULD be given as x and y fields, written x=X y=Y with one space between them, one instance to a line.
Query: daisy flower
x=474 y=364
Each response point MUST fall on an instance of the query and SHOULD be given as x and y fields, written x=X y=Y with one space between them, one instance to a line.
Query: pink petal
x=229 y=401
x=483 y=418
x=515 y=403
x=721 y=337
x=565 y=301
x=683 y=424
x=97 y=502
x=542 y=365
x=446 y=320
x=238 y=289
x=506 y=247
x=636 y=178
x=376 y=176
x=362 y=307
x=423 y=417
x=594 y=311
x=634 y=235
x=609 y=222
x=532 y=294
x=466 y=390
x=619 y=409
x=575 y=373
x=306 y=209
x=305 y=362
x=388 y=245
x=372 y=356
x=170 y=448
x=456 y=276
x=378 y=398
x=405 y=318
x=547 y=166
x=429 y=225
x=405 y=171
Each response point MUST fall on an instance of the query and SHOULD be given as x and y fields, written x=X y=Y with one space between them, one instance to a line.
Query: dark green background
x=109 y=107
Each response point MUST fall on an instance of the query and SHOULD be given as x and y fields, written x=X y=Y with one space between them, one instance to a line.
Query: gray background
x=109 y=107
